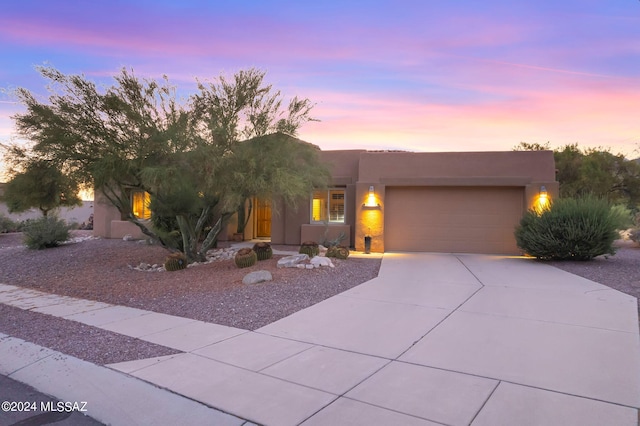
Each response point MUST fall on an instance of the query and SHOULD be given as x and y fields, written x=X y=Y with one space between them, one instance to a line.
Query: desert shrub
x=22 y=224
x=45 y=232
x=166 y=227
x=7 y=225
x=571 y=229
x=327 y=242
x=622 y=217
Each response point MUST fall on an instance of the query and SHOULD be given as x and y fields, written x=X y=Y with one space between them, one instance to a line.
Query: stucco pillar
x=103 y=214
x=369 y=216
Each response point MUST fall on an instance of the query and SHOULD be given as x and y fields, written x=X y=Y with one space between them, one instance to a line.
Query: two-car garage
x=452 y=219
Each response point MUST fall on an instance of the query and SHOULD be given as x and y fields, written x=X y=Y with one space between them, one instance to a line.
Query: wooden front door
x=263 y=218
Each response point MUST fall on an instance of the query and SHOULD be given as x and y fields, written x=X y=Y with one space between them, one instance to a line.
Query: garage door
x=452 y=219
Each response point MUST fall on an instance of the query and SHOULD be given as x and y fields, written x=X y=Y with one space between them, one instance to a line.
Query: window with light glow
x=328 y=206
x=140 y=204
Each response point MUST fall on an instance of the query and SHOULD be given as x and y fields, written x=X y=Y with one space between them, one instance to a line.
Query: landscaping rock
x=322 y=261
x=145 y=267
x=292 y=261
x=257 y=277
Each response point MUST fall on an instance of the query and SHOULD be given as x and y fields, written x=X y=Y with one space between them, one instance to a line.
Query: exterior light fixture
x=371 y=198
x=543 y=198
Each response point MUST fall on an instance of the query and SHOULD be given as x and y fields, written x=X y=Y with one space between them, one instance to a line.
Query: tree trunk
x=146 y=231
x=189 y=240
x=212 y=235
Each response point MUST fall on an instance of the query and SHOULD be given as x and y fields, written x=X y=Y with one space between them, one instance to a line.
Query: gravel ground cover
x=73 y=338
x=98 y=269
x=620 y=271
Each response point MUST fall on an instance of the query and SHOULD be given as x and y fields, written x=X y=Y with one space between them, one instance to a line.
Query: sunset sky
x=423 y=75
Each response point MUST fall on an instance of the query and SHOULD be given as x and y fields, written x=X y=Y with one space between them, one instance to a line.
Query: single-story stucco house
x=457 y=202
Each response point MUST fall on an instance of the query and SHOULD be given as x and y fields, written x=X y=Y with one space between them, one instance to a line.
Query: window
x=328 y=206
x=140 y=204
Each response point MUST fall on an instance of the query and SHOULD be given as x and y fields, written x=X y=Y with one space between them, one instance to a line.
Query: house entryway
x=263 y=218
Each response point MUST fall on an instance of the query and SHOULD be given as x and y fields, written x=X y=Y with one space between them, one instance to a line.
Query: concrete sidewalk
x=435 y=339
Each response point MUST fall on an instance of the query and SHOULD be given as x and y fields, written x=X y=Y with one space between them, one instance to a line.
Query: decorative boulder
x=321 y=261
x=292 y=261
x=256 y=277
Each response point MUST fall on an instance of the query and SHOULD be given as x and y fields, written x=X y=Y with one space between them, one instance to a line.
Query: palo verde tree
x=199 y=159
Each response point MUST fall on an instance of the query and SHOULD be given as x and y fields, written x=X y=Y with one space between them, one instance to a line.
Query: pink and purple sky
x=421 y=75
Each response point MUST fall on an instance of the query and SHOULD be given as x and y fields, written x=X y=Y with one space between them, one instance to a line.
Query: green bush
x=571 y=229
x=45 y=232
x=7 y=225
x=622 y=217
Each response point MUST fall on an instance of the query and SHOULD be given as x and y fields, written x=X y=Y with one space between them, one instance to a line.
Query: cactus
x=246 y=257
x=263 y=250
x=339 y=252
x=310 y=248
x=175 y=262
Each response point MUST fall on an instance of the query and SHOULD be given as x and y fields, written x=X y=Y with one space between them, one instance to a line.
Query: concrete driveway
x=435 y=339
x=482 y=340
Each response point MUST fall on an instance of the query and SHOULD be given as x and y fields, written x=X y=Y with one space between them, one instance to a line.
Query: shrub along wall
x=570 y=229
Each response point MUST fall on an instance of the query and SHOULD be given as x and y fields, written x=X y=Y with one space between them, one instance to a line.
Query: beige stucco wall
x=359 y=170
x=108 y=223
x=529 y=170
x=291 y=225
x=418 y=167
x=320 y=233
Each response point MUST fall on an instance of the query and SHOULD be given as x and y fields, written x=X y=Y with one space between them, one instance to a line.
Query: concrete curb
x=107 y=395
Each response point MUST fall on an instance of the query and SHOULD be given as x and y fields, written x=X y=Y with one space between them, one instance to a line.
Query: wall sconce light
x=371 y=198
x=543 y=197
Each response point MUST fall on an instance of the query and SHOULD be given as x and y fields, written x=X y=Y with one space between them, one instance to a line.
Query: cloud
x=427 y=75
x=590 y=118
